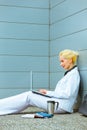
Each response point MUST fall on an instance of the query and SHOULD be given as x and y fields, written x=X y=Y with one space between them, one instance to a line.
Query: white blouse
x=66 y=90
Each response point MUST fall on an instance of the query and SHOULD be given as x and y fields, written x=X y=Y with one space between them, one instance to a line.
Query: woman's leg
x=13 y=104
x=20 y=102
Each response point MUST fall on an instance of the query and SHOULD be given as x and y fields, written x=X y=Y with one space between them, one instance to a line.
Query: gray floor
x=73 y=121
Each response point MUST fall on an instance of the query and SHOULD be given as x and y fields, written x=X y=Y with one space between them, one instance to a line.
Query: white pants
x=20 y=102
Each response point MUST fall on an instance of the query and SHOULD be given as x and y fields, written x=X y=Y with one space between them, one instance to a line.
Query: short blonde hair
x=69 y=54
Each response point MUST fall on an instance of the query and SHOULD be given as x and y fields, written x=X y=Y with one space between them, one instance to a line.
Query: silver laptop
x=36 y=92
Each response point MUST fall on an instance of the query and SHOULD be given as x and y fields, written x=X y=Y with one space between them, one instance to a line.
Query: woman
x=65 y=93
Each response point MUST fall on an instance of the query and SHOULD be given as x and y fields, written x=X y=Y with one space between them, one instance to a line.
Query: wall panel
x=77 y=41
x=54 y=78
x=10 y=92
x=55 y=64
x=24 y=15
x=82 y=62
x=24 y=31
x=70 y=25
x=66 y=8
x=14 y=80
x=24 y=45
x=41 y=80
x=22 y=80
x=28 y=3
x=23 y=63
x=54 y=3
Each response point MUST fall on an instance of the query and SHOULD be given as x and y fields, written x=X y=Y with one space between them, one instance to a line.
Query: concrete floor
x=74 y=121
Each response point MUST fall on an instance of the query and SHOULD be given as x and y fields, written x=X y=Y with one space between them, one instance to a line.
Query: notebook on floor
x=36 y=92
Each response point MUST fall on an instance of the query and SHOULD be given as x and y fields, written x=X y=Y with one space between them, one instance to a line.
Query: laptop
x=36 y=92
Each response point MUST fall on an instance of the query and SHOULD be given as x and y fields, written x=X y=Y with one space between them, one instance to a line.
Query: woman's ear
x=71 y=61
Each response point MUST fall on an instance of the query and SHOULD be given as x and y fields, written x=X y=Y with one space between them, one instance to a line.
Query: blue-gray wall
x=68 y=21
x=32 y=33
x=24 y=45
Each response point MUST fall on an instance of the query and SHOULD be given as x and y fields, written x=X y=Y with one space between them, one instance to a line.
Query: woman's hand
x=43 y=91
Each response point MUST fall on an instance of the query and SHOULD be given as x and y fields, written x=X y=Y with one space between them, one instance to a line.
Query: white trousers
x=18 y=103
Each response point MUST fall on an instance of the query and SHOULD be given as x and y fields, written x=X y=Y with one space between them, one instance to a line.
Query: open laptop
x=36 y=92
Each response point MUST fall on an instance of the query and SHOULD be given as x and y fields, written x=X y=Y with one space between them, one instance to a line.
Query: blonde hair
x=69 y=54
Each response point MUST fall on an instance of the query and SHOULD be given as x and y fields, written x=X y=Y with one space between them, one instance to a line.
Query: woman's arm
x=69 y=87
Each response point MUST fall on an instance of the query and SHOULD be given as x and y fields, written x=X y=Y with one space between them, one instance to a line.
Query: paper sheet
x=28 y=116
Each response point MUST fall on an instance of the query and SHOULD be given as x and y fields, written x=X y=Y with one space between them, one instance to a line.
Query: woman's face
x=66 y=63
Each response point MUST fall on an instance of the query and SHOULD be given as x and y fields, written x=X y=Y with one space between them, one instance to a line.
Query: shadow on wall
x=80 y=97
x=81 y=93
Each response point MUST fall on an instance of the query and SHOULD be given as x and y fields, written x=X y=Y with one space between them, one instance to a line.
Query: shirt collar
x=70 y=70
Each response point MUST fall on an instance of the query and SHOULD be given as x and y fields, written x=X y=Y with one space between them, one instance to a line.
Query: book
x=38 y=115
